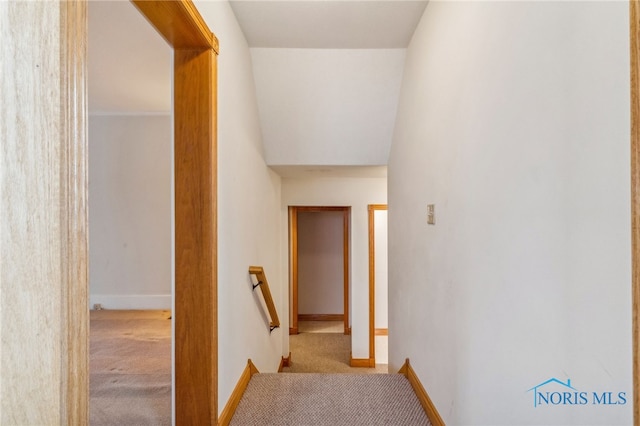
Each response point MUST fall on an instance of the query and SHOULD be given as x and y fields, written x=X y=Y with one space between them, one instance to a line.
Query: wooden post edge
x=362 y=362
x=284 y=362
x=421 y=393
x=230 y=409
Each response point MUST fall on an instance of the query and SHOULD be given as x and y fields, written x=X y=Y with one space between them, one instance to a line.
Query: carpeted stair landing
x=329 y=399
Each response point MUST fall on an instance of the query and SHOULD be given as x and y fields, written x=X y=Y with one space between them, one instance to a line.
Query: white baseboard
x=134 y=301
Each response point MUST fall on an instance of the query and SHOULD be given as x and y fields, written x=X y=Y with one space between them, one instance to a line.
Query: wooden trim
x=382 y=332
x=230 y=409
x=195 y=148
x=421 y=393
x=321 y=208
x=258 y=271
x=293 y=254
x=43 y=181
x=371 y=208
x=293 y=330
x=196 y=237
x=44 y=209
x=346 y=219
x=372 y=285
x=293 y=248
x=634 y=17
x=185 y=29
x=347 y=331
x=284 y=362
x=320 y=317
x=74 y=221
x=362 y=362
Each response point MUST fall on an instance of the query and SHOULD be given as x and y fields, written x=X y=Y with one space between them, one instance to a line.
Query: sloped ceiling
x=327 y=106
x=343 y=24
x=327 y=73
x=328 y=76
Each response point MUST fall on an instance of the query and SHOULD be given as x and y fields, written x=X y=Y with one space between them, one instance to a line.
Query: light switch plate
x=431 y=214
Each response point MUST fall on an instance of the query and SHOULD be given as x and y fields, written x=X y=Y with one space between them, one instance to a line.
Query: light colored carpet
x=324 y=353
x=320 y=327
x=329 y=399
x=130 y=368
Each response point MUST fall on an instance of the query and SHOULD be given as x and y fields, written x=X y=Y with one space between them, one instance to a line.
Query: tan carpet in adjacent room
x=321 y=352
x=130 y=368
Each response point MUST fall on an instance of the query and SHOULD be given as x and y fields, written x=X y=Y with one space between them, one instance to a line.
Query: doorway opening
x=319 y=259
x=194 y=251
x=319 y=271
x=130 y=214
x=378 y=284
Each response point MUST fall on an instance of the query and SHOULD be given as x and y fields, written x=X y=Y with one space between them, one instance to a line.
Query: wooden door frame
x=293 y=259
x=634 y=34
x=372 y=208
x=195 y=161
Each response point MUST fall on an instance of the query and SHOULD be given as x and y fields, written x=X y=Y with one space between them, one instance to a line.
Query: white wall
x=357 y=193
x=327 y=106
x=320 y=262
x=130 y=211
x=517 y=128
x=249 y=214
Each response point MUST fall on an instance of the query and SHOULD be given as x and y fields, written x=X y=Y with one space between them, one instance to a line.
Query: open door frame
x=194 y=111
x=45 y=209
x=293 y=259
x=372 y=280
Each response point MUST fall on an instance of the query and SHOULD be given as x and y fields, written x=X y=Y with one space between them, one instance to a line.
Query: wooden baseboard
x=284 y=362
x=421 y=393
x=362 y=362
x=382 y=331
x=236 y=395
x=293 y=330
x=320 y=317
x=347 y=331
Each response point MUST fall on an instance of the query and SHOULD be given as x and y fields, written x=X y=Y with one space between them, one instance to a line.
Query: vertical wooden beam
x=293 y=237
x=74 y=209
x=372 y=285
x=634 y=17
x=195 y=152
x=196 y=237
x=43 y=267
x=345 y=261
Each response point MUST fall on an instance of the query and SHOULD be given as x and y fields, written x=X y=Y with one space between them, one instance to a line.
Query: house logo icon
x=554 y=392
x=558 y=397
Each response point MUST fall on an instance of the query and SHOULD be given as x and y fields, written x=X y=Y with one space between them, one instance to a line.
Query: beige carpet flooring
x=320 y=327
x=130 y=368
x=320 y=352
x=329 y=399
x=130 y=364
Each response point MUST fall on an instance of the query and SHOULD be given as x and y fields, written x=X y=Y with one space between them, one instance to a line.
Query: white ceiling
x=129 y=70
x=346 y=24
x=130 y=64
